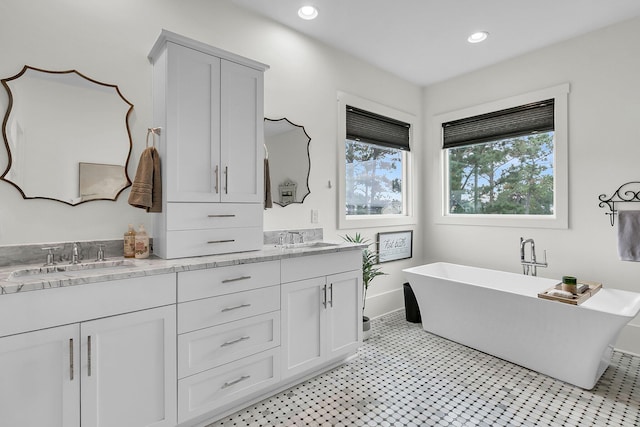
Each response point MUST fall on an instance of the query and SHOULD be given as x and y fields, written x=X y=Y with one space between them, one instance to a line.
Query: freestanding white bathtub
x=500 y=313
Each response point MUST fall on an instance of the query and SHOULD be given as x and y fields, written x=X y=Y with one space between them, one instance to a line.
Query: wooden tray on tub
x=593 y=288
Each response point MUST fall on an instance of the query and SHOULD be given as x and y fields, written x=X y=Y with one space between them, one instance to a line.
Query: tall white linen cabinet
x=208 y=104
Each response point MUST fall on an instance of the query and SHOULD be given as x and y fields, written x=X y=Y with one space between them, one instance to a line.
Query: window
x=502 y=162
x=507 y=166
x=374 y=165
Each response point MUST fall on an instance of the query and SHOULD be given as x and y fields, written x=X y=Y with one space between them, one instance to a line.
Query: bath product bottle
x=130 y=242
x=570 y=284
x=142 y=243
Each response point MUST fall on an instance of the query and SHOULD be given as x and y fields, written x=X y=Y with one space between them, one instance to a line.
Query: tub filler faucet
x=532 y=264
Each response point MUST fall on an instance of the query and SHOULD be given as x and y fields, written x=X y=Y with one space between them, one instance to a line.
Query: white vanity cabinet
x=229 y=336
x=39 y=380
x=111 y=363
x=209 y=106
x=126 y=378
x=321 y=312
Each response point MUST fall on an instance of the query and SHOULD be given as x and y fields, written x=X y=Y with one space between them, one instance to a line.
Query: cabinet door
x=303 y=323
x=344 y=314
x=39 y=378
x=192 y=158
x=129 y=370
x=242 y=133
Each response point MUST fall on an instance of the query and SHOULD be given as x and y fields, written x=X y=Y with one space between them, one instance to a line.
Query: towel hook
x=153 y=132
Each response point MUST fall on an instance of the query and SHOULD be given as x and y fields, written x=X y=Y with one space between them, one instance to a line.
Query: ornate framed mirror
x=287 y=148
x=67 y=136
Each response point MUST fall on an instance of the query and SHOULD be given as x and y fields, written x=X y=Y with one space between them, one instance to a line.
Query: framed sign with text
x=395 y=245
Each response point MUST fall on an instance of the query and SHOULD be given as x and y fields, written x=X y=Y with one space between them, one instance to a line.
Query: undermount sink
x=68 y=270
x=308 y=245
x=318 y=244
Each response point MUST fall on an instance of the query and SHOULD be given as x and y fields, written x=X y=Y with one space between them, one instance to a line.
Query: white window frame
x=368 y=221
x=560 y=218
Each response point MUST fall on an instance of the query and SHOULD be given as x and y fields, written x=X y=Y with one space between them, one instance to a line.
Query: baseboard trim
x=629 y=340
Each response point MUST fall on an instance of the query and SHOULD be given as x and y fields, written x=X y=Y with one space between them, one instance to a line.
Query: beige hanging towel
x=146 y=191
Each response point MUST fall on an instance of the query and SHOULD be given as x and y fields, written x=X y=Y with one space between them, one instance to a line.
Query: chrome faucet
x=51 y=259
x=75 y=254
x=100 y=254
x=531 y=265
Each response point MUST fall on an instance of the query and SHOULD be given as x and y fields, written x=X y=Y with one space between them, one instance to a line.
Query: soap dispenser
x=142 y=243
x=130 y=242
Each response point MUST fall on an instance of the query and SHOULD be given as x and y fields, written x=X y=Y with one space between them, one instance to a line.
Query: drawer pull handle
x=236 y=307
x=236 y=279
x=71 y=359
x=234 y=341
x=236 y=381
x=222 y=216
x=221 y=241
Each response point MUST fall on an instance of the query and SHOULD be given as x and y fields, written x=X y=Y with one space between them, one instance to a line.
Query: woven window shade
x=503 y=124
x=376 y=129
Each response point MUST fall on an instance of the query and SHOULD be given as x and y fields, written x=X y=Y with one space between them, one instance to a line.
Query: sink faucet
x=75 y=254
x=51 y=259
x=531 y=265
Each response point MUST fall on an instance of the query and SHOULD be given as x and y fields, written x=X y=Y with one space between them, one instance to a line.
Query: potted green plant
x=370 y=270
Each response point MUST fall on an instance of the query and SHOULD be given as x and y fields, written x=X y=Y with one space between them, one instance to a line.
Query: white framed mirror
x=287 y=149
x=67 y=136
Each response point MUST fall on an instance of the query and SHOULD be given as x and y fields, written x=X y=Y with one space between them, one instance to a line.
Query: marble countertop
x=24 y=278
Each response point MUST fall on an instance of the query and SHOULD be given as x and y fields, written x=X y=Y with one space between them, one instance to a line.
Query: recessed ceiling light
x=308 y=12
x=478 y=37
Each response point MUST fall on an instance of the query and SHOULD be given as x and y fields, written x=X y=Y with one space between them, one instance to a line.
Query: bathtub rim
x=600 y=304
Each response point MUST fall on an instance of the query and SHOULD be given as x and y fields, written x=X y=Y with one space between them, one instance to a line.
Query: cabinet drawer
x=28 y=311
x=215 y=388
x=307 y=267
x=189 y=243
x=195 y=216
x=208 y=312
x=211 y=282
x=211 y=347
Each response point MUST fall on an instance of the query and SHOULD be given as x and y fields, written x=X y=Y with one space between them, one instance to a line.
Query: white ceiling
x=424 y=41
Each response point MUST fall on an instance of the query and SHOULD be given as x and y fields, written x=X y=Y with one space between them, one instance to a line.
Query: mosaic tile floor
x=405 y=376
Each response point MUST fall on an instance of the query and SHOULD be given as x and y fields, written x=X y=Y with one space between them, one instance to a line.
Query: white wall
x=109 y=41
x=603 y=69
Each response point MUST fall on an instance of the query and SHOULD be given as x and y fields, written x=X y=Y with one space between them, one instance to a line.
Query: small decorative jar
x=570 y=284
